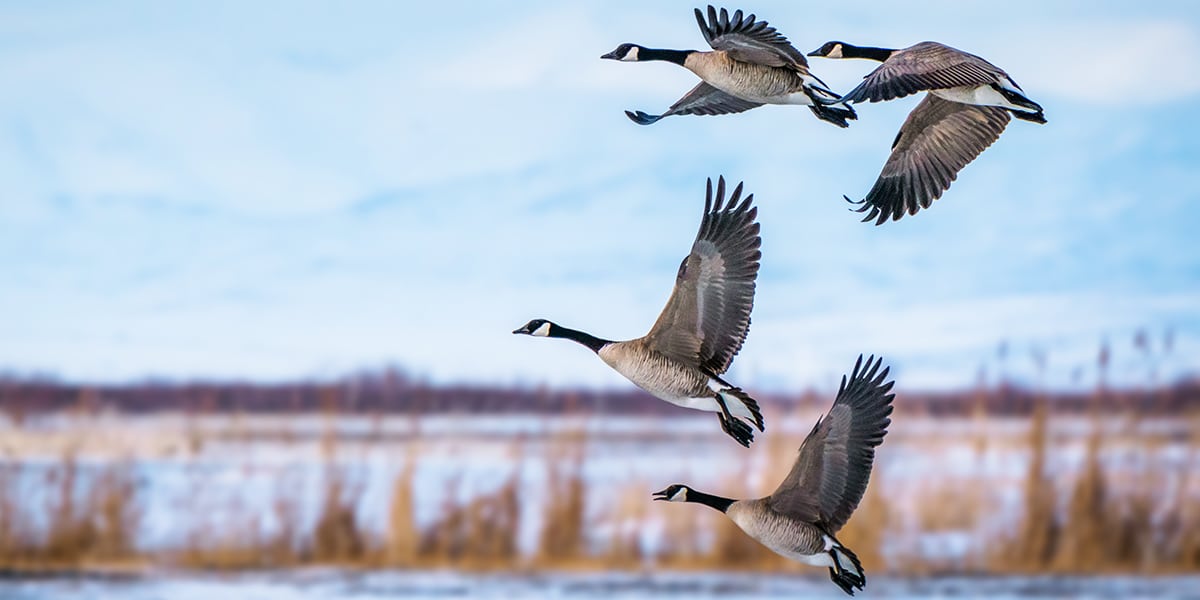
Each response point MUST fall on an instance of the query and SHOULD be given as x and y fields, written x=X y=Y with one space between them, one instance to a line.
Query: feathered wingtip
x=719 y=23
x=875 y=214
x=714 y=204
x=869 y=379
x=642 y=118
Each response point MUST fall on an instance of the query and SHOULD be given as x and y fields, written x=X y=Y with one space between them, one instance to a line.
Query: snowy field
x=335 y=585
x=226 y=467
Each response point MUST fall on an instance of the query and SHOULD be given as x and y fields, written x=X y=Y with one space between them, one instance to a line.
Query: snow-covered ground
x=190 y=472
x=335 y=585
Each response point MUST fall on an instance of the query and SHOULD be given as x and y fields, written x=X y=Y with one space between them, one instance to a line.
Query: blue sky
x=270 y=191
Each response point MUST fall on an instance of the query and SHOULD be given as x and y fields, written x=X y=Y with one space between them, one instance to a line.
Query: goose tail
x=1035 y=117
x=1030 y=110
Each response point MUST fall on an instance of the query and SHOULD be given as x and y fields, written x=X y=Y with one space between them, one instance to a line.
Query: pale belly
x=755 y=83
x=820 y=559
x=762 y=96
x=661 y=378
x=755 y=530
x=981 y=95
x=670 y=394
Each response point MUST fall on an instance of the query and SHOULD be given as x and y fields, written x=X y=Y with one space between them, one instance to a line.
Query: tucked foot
x=846 y=571
x=836 y=114
x=751 y=405
x=737 y=429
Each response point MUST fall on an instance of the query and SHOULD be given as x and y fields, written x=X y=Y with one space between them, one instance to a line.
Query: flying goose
x=966 y=109
x=800 y=519
x=751 y=65
x=703 y=325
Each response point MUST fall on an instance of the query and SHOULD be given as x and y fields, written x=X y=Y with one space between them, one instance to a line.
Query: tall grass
x=83 y=518
x=89 y=515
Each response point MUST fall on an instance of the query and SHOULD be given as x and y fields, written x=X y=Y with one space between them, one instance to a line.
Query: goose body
x=671 y=380
x=751 y=64
x=968 y=104
x=753 y=82
x=801 y=518
x=703 y=325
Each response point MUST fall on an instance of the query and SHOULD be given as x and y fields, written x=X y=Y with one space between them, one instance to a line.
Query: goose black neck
x=717 y=502
x=868 y=52
x=675 y=56
x=591 y=341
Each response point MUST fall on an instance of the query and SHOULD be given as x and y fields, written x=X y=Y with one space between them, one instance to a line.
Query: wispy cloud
x=192 y=193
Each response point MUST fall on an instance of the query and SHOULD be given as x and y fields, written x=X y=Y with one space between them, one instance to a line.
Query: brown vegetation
x=1092 y=518
x=1091 y=523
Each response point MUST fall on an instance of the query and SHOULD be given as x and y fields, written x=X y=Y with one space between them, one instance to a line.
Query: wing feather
x=937 y=140
x=705 y=321
x=703 y=99
x=923 y=67
x=748 y=40
x=833 y=467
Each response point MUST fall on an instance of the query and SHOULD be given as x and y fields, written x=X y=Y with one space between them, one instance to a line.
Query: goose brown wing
x=748 y=40
x=705 y=99
x=937 y=140
x=833 y=467
x=706 y=318
x=922 y=67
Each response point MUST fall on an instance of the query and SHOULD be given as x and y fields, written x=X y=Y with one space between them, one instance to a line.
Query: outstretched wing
x=937 y=140
x=831 y=473
x=922 y=67
x=706 y=318
x=703 y=99
x=748 y=40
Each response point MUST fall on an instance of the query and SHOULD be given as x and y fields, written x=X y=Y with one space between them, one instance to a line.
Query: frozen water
x=338 y=585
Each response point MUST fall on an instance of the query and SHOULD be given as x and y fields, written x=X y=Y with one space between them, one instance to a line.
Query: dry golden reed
x=1092 y=522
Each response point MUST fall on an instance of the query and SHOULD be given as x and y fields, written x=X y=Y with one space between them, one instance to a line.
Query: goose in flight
x=703 y=325
x=751 y=64
x=968 y=105
x=801 y=518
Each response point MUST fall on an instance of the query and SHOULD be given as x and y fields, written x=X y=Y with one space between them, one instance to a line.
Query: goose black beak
x=611 y=55
x=661 y=495
x=521 y=330
x=816 y=52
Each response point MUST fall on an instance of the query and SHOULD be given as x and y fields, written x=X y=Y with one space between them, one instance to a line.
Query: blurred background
x=261 y=263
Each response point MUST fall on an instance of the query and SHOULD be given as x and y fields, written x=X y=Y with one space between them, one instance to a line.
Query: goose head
x=674 y=493
x=830 y=50
x=536 y=327
x=625 y=52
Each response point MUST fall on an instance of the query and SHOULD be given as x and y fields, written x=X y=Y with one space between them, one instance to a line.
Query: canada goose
x=966 y=109
x=799 y=520
x=751 y=65
x=703 y=325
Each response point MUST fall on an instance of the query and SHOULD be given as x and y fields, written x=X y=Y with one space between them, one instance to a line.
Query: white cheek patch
x=631 y=56
x=680 y=496
x=543 y=331
x=836 y=52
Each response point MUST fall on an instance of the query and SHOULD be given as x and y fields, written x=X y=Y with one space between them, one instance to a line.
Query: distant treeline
x=393 y=392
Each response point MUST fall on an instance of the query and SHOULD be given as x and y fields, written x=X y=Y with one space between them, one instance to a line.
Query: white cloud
x=1135 y=63
x=178 y=206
